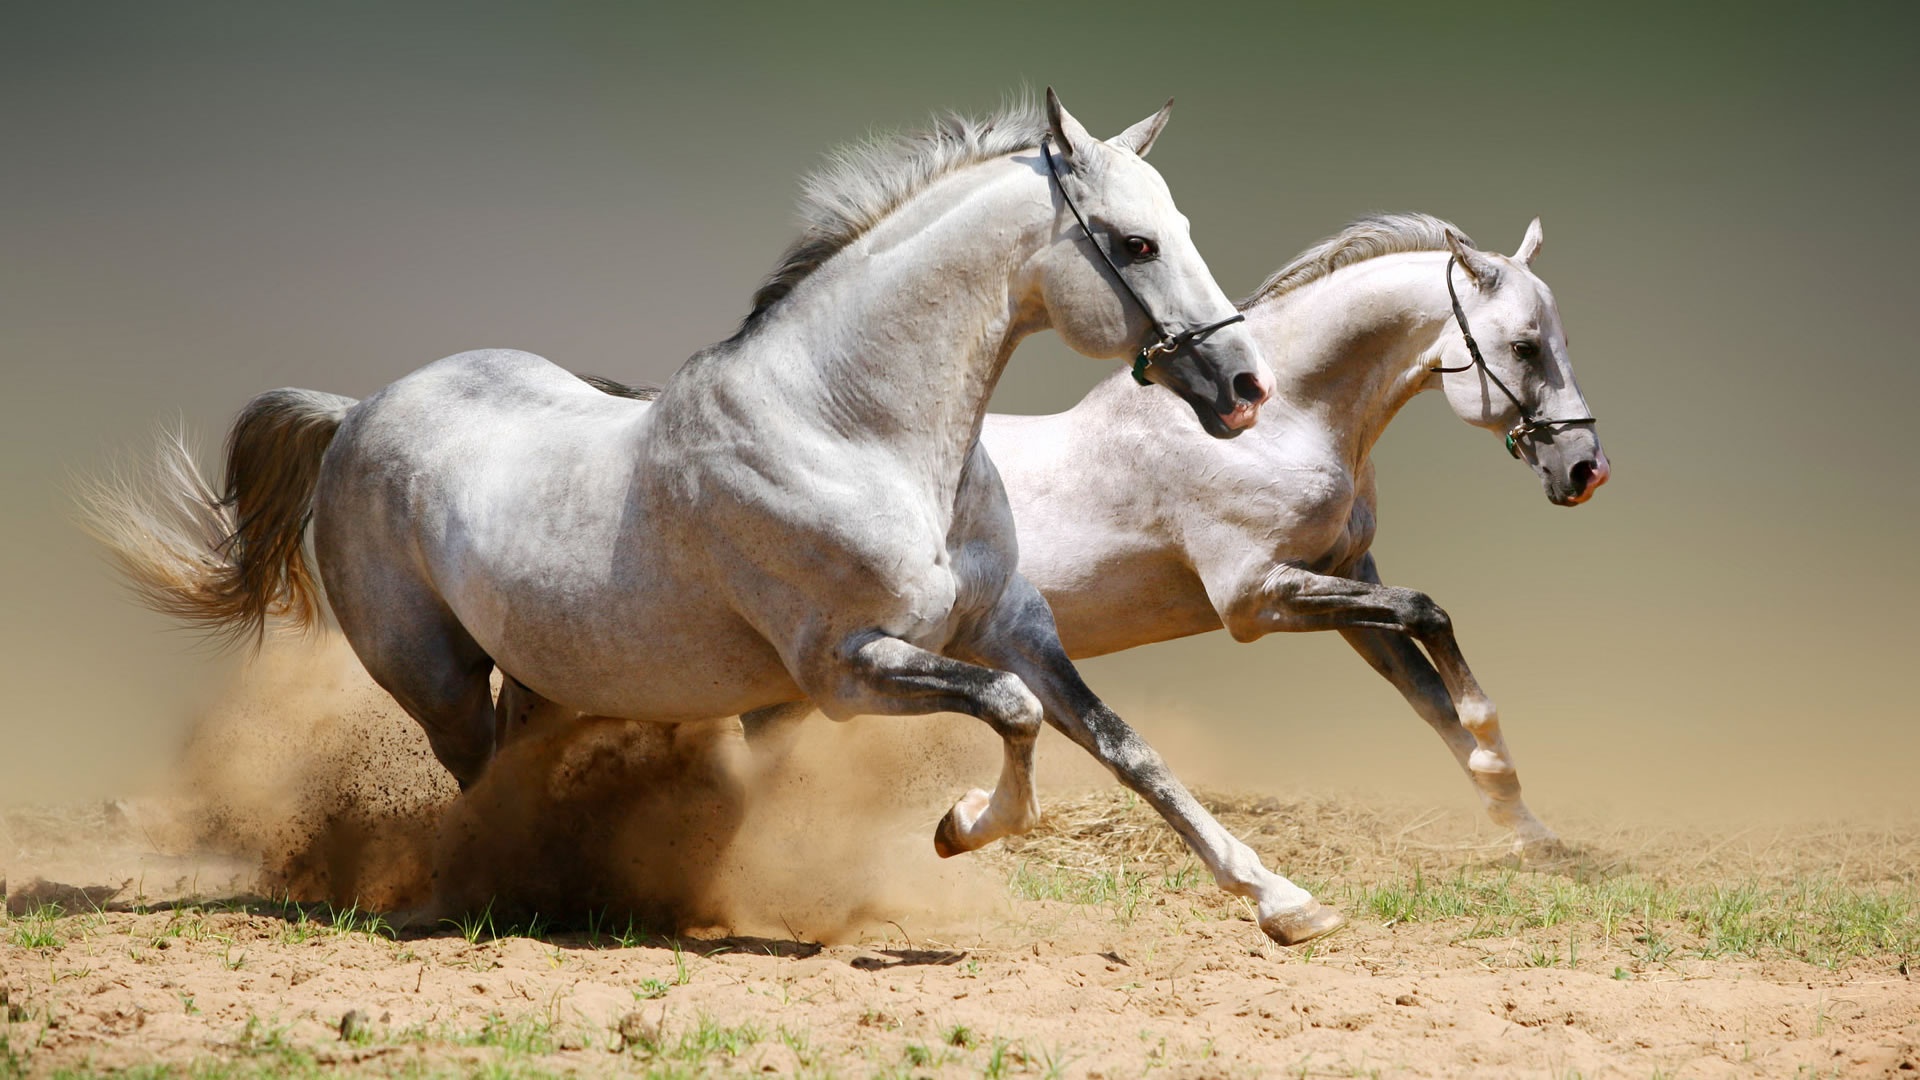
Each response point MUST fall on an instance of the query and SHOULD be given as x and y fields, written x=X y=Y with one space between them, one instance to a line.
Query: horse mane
x=615 y=388
x=1366 y=238
x=861 y=184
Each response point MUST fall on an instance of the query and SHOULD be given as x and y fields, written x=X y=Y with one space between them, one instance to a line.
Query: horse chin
x=1561 y=493
x=1210 y=419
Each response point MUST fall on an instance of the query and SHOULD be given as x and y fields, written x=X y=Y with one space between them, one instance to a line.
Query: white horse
x=804 y=513
x=1135 y=534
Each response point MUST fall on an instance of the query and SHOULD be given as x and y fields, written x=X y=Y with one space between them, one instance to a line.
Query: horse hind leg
x=519 y=712
x=443 y=684
x=772 y=732
x=418 y=652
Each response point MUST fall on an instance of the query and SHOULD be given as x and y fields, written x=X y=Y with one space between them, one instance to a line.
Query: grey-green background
x=199 y=202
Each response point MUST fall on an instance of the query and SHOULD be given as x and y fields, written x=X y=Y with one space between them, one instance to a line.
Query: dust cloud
x=313 y=771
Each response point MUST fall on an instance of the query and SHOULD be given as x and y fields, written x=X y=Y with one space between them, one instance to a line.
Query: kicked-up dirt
x=615 y=900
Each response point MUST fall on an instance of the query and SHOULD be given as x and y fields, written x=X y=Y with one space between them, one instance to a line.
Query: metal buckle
x=1164 y=347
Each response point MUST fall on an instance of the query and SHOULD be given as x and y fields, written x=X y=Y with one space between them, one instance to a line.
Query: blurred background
x=202 y=201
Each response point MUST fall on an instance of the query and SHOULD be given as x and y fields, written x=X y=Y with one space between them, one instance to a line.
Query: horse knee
x=1425 y=618
x=1013 y=710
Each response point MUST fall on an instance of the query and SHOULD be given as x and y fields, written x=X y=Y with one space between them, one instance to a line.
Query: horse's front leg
x=1382 y=622
x=886 y=676
x=1021 y=638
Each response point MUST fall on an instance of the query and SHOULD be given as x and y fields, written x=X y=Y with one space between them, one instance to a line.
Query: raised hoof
x=1316 y=920
x=946 y=837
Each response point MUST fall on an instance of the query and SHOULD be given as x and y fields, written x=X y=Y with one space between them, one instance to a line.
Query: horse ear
x=1530 y=244
x=1139 y=138
x=1481 y=270
x=1072 y=137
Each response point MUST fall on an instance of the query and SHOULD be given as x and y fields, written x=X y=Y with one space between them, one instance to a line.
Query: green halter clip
x=1140 y=363
x=1512 y=447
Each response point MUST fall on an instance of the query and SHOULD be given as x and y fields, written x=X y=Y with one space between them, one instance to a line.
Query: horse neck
x=1352 y=348
x=900 y=338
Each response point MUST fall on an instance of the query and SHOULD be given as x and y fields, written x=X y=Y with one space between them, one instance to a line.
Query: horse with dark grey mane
x=804 y=513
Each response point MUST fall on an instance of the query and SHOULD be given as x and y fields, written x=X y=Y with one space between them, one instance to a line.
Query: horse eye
x=1140 y=247
x=1526 y=350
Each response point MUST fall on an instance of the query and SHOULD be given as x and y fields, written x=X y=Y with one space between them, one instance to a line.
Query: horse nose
x=1588 y=475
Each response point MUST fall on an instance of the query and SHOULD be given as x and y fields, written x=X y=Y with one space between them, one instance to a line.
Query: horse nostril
x=1586 y=476
x=1247 y=387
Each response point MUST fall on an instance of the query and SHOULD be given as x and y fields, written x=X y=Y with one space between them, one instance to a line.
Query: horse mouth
x=1217 y=424
x=1585 y=479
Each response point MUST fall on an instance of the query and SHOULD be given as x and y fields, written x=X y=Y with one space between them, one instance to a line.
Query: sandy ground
x=208 y=932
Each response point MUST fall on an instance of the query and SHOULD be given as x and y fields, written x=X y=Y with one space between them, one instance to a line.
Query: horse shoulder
x=1293 y=510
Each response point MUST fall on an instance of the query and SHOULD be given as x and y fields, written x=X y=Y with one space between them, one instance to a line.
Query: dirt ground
x=611 y=906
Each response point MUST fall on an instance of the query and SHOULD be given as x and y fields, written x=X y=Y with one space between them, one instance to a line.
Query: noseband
x=1168 y=344
x=1530 y=421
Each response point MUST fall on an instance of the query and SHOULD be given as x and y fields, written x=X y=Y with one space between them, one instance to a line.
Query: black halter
x=1530 y=421
x=1168 y=344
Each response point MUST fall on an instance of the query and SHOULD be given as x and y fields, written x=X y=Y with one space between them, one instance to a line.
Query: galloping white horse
x=1272 y=532
x=805 y=511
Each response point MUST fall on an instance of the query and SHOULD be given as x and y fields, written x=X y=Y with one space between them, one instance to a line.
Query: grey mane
x=1367 y=238
x=619 y=389
x=861 y=184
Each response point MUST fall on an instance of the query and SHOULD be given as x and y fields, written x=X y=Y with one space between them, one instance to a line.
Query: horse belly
x=610 y=619
x=665 y=664
x=1122 y=601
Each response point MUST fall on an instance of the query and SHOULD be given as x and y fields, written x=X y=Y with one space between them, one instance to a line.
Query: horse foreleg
x=1401 y=662
x=886 y=676
x=1382 y=622
x=1023 y=640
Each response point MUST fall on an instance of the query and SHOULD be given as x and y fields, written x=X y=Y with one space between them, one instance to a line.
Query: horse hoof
x=1542 y=849
x=946 y=837
x=1300 y=926
x=952 y=838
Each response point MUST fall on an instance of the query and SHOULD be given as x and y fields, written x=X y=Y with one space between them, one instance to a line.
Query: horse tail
x=225 y=563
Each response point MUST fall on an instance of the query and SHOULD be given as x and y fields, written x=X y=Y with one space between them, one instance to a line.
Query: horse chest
x=1314 y=514
x=1350 y=543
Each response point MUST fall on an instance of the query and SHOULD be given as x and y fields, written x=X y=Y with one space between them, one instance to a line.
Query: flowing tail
x=227 y=563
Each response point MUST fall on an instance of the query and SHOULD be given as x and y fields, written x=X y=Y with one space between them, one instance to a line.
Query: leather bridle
x=1167 y=344
x=1530 y=421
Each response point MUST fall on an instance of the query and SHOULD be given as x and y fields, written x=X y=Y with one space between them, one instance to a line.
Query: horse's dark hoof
x=1300 y=926
x=946 y=838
